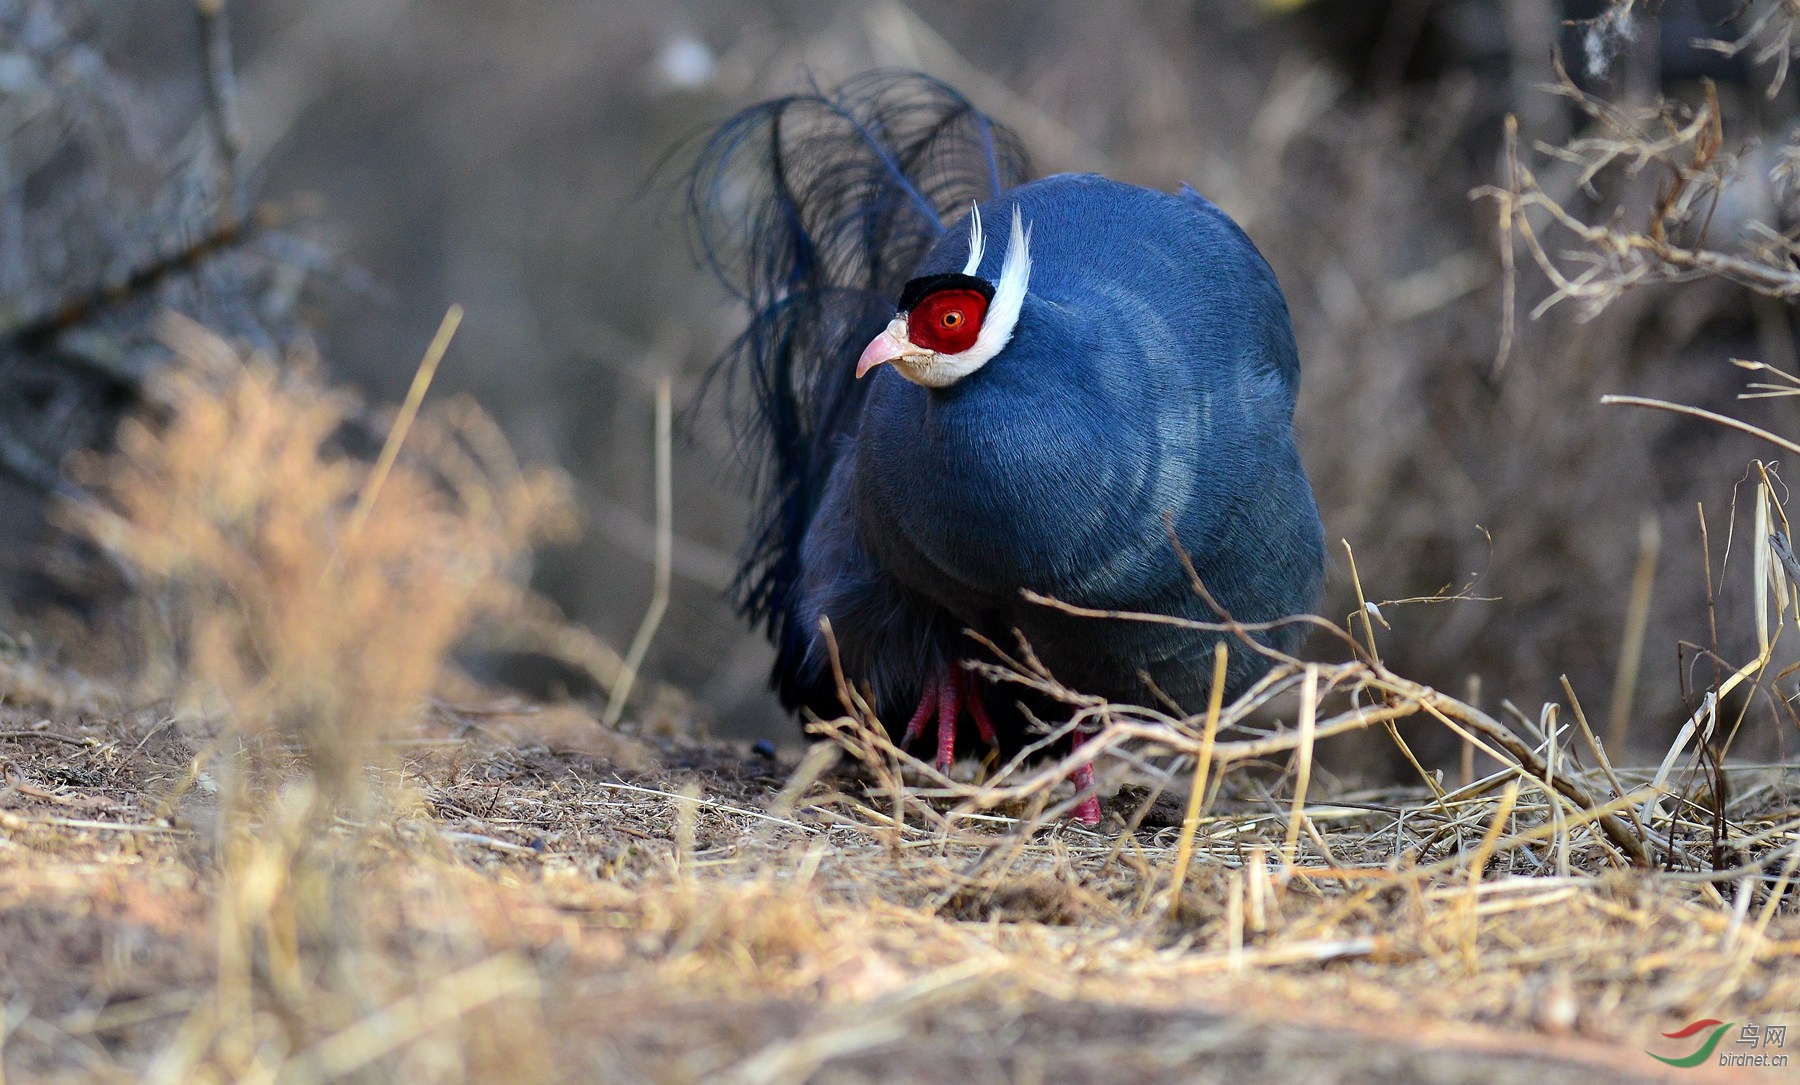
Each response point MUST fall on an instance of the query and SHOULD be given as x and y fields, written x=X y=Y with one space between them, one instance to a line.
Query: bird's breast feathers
x=1133 y=382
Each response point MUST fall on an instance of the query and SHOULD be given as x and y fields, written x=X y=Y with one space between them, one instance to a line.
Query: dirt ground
x=541 y=899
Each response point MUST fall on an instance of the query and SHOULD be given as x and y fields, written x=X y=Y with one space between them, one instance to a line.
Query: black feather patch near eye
x=919 y=289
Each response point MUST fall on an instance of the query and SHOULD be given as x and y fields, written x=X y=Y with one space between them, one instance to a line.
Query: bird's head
x=949 y=325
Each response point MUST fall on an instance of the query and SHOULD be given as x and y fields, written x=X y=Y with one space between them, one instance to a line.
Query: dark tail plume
x=813 y=211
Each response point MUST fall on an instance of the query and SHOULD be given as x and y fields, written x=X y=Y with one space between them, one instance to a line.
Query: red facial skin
x=948 y=321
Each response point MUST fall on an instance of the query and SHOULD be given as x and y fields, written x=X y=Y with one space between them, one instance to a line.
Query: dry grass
x=292 y=873
x=576 y=917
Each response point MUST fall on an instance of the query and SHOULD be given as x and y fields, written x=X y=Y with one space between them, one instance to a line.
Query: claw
x=945 y=700
x=916 y=726
x=1087 y=811
x=949 y=702
x=978 y=709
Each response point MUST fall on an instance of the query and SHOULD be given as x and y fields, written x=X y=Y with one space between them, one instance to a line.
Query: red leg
x=928 y=703
x=957 y=690
x=950 y=698
x=978 y=709
x=1087 y=811
x=945 y=700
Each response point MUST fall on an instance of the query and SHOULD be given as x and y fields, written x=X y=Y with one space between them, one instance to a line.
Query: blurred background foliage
x=377 y=160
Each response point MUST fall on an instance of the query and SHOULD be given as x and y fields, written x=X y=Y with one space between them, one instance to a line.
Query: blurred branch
x=32 y=327
x=1610 y=257
x=220 y=86
x=898 y=37
x=1769 y=37
x=25 y=464
x=231 y=226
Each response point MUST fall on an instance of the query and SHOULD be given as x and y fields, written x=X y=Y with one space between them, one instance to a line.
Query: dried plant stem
x=79 y=305
x=1190 y=821
x=1477 y=867
x=1637 y=620
x=1697 y=412
x=1594 y=747
x=1362 y=604
x=409 y=410
x=1309 y=709
x=1533 y=766
x=665 y=535
x=1509 y=273
x=1429 y=779
x=408 y=1019
x=1465 y=761
x=1260 y=887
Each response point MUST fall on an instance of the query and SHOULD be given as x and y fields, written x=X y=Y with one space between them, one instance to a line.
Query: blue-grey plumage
x=1152 y=372
x=1148 y=381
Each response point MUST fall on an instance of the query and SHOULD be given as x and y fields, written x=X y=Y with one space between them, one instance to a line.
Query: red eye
x=948 y=321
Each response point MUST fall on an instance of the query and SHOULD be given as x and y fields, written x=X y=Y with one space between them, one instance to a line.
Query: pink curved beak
x=884 y=348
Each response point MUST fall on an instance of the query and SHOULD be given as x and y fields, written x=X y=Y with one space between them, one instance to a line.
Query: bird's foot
x=1087 y=811
x=945 y=699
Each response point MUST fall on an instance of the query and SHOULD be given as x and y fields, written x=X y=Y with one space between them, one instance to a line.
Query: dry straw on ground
x=203 y=890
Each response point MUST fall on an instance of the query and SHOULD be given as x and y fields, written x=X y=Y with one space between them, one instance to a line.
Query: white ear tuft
x=1015 y=274
x=1009 y=293
x=975 y=239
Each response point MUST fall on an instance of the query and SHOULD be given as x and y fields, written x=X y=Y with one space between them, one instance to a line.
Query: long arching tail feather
x=813 y=211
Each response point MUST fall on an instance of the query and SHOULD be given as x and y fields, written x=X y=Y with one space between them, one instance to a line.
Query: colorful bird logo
x=1706 y=1049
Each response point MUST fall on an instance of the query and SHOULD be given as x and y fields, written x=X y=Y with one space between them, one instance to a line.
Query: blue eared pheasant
x=964 y=385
